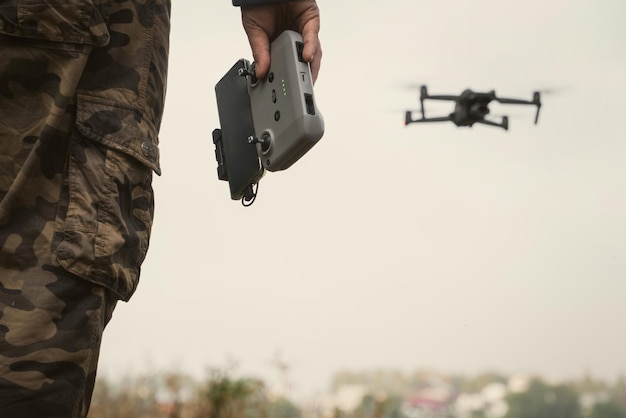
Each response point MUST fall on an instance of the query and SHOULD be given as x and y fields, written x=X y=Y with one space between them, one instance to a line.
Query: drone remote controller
x=286 y=119
x=266 y=124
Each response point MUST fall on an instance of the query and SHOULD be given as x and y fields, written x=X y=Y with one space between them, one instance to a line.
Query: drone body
x=470 y=107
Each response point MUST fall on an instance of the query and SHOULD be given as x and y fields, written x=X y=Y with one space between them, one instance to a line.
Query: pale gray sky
x=399 y=247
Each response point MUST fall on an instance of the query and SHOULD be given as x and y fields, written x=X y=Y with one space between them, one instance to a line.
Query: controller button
x=277 y=116
x=270 y=77
x=273 y=96
x=299 y=49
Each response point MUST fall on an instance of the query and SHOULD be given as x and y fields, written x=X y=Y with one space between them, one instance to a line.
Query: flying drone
x=471 y=107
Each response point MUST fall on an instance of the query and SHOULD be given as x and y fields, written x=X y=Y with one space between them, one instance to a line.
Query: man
x=82 y=89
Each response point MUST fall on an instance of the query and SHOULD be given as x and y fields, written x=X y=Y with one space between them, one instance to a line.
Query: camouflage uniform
x=82 y=87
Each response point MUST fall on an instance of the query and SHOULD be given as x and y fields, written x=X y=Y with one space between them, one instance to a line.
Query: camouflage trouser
x=82 y=88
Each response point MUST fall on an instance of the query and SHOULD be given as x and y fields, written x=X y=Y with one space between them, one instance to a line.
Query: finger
x=260 y=45
x=312 y=52
x=315 y=65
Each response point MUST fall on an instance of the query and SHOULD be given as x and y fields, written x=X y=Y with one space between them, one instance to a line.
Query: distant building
x=490 y=401
x=430 y=402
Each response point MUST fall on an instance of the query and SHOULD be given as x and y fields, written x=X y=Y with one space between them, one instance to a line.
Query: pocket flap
x=118 y=127
x=77 y=21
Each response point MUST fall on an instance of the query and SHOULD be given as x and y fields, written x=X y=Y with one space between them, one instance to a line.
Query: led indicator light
x=282 y=82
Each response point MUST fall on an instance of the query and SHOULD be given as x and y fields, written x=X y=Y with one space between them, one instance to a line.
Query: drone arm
x=514 y=101
x=441 y=97
x=504 y=124
x=437 y=119
x=535 y=102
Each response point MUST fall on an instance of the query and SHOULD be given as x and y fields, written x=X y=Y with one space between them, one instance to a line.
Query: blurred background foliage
x=224 y=394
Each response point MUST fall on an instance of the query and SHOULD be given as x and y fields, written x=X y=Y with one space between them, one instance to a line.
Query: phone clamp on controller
x=237 y=161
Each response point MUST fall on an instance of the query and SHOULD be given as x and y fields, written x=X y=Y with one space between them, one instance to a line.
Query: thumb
x=260 y=45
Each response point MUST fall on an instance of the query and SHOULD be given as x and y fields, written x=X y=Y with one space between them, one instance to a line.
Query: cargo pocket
x=105 y=229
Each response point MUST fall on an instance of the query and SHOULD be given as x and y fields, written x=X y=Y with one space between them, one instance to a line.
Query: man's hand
x=264 y=23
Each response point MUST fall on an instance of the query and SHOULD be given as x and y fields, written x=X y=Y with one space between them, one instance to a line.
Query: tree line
x=224 y=395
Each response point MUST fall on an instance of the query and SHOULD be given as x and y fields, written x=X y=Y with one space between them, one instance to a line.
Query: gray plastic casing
x=284 y=109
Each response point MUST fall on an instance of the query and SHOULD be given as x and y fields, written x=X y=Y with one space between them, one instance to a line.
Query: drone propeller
x=552 y=90
x=407 y=86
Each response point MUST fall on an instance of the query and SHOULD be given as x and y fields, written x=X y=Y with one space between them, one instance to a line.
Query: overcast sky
x=427 y=246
